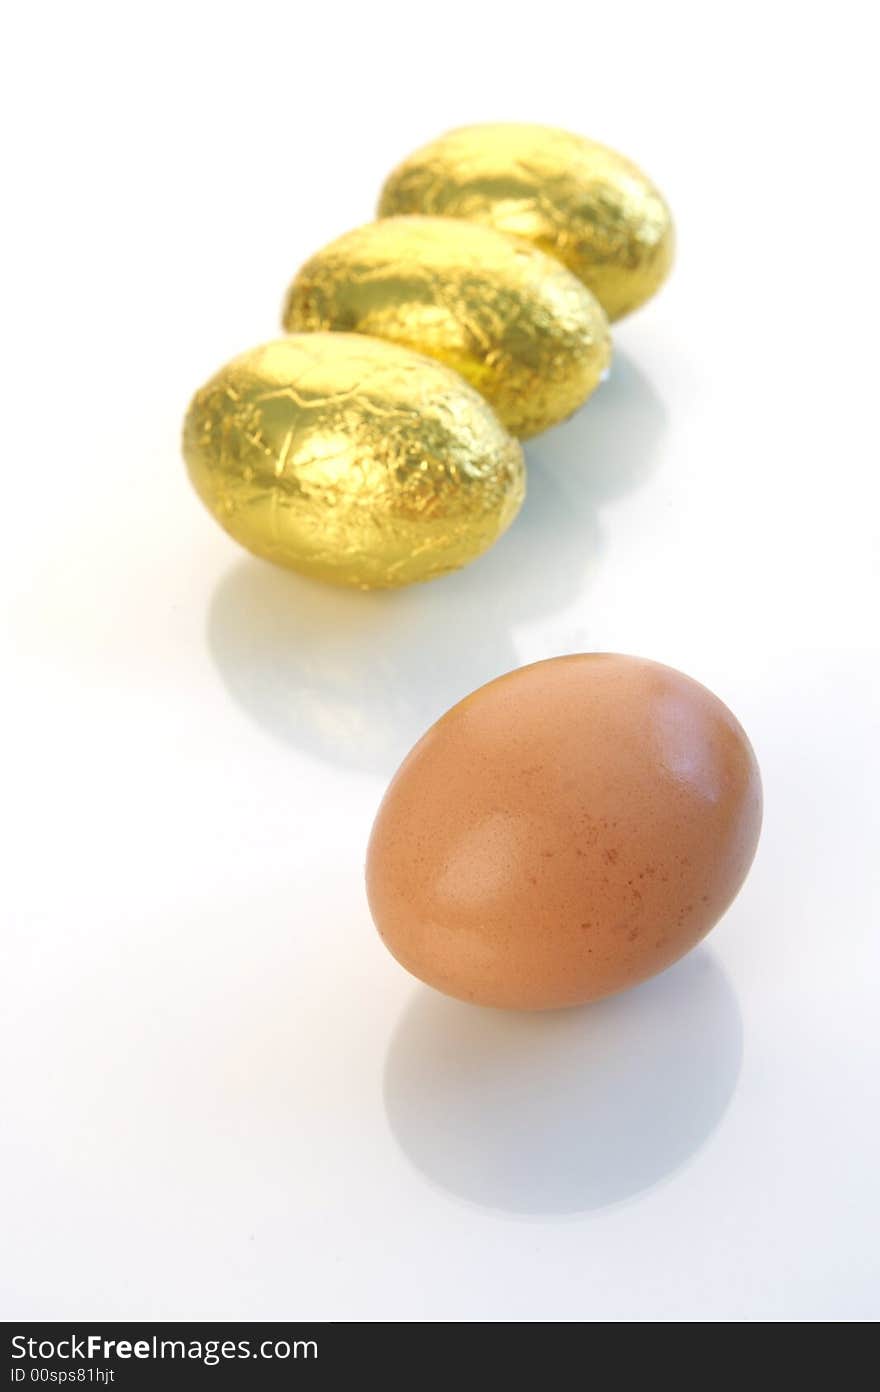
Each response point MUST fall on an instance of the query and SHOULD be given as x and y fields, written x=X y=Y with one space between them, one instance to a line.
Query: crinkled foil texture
x=352 y=460
x=573 y=198
x=515 y=322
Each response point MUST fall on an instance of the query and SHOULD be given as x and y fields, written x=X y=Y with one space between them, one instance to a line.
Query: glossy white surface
x=221 y=1097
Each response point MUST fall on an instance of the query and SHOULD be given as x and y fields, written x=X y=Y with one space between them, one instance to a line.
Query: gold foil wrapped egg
x=581 y=202
x=516 y=323
x=352 y=460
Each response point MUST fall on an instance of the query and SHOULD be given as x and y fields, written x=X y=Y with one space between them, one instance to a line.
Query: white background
x=221 y=1097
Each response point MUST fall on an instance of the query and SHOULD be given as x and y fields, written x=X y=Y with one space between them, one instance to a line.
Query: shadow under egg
x=565 y=1111
x=612 y=442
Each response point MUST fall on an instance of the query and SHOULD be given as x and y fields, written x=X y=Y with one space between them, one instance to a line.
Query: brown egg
x=564 y=832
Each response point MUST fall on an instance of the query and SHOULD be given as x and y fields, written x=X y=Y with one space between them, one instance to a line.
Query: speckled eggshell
x=565 y=832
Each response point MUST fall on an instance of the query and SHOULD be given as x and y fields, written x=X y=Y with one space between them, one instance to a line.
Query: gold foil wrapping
x=352 y=460
x=577 y=200
x=516 y=323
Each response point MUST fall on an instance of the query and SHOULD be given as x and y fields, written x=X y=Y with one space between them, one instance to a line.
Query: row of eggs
x=574 y=826
x=378 y=443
